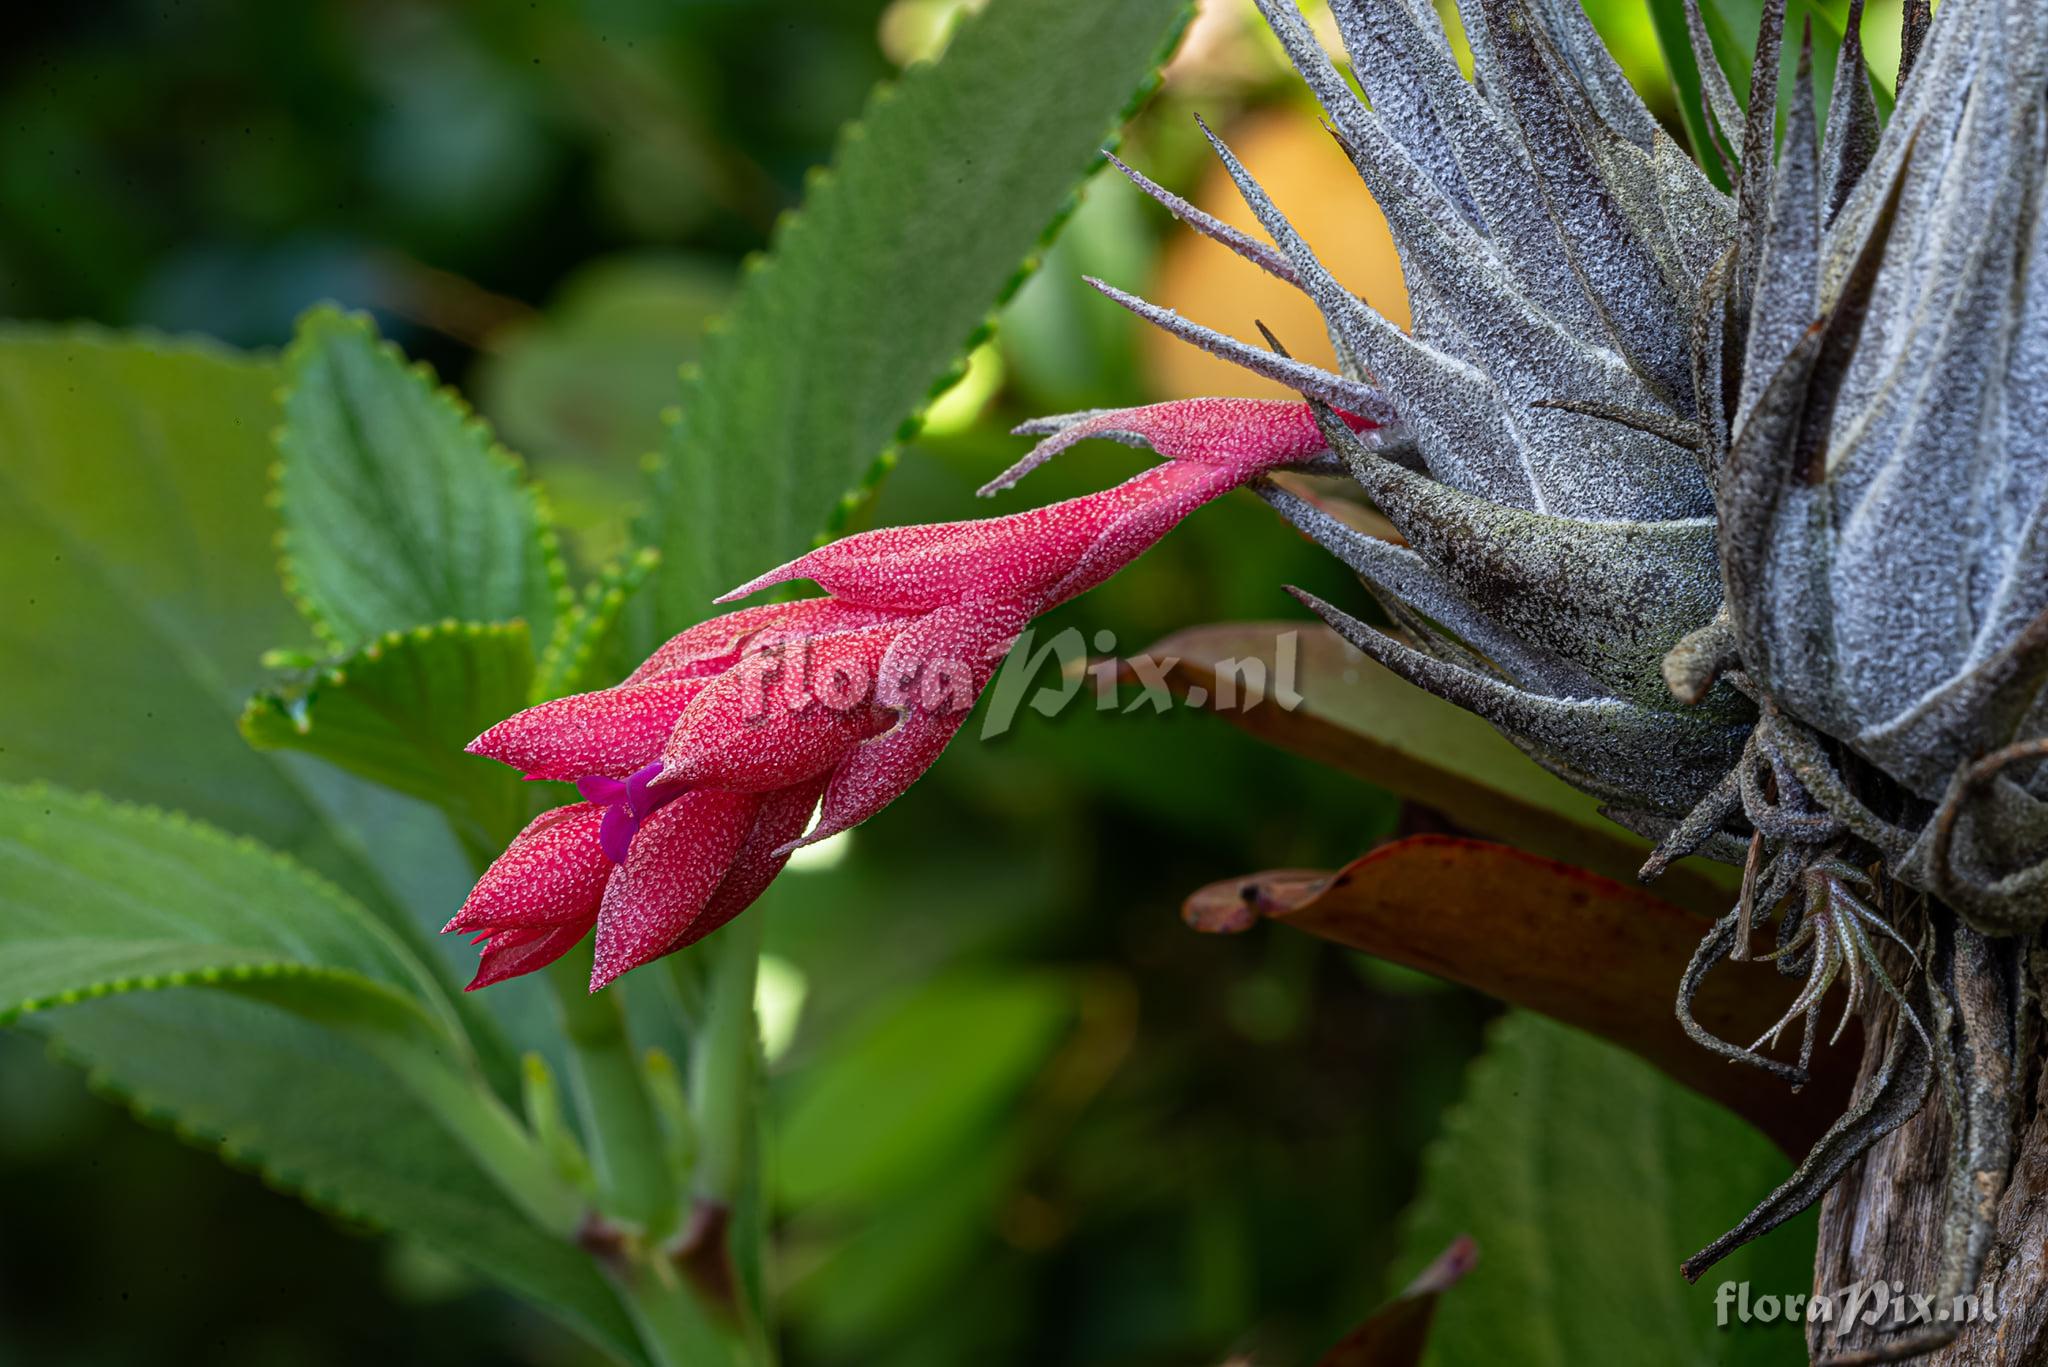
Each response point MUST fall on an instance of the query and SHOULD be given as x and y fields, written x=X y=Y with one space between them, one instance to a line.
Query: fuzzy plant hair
x=1731 y=510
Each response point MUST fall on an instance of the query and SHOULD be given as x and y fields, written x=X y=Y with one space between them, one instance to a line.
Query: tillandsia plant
x=1730 y=510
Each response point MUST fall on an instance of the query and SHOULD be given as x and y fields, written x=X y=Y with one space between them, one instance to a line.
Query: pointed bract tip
x=780 y=574
x=811 y=837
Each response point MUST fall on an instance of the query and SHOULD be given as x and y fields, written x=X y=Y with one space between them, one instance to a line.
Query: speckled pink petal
x=1222 y=442
x=915 y=569
x=677 y=861
x=1247 y=435
x=714 y=646
x=932 y=675
x=942 y=660
x=781 y=716
x=513 y=952
x=1170 y=493
x=609 y=733
x=707 y=647
x=553 y=873
x=781 y=820
x=823 y=617
x=879 y=772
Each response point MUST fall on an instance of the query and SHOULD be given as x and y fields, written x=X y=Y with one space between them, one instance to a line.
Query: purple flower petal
x=616 y=833
x=637 y=800
x=597 y=788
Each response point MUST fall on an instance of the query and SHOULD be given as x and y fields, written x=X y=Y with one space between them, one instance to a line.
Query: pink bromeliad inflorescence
x=699 y=773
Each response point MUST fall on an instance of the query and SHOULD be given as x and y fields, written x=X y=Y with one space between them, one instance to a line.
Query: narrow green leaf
x=399 y=712
x=886 y=278
x=1586 y=1177
x=1668 y=17
x=399 y=508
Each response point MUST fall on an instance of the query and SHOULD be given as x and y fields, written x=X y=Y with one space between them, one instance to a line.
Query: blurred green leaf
x=886 y=1105
x=581 y=388
x=319 y=1117
x=1672 y=39
x=99 y=899
x=874 y=290
x=138 y=561
x=136 y=545
x=399 y=508
x=1585 y=1177
x=1732 y=25
x=399 y=712
x=876 y=1285
x=1062 y=350
x=586 y=380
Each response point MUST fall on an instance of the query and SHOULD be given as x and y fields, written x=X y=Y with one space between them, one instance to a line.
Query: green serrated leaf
x=589 y=650
x=100 y=901
x=399 y=508
x=136 y=555
x=885 y=279
x=399 y=712
x=1585 y=1177
x=318 y=1117
x=98 y=898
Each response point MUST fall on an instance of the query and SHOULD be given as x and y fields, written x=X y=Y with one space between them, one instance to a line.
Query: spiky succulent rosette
x=1732 y=510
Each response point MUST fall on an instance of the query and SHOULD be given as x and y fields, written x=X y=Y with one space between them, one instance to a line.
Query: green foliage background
x=1019 y=1113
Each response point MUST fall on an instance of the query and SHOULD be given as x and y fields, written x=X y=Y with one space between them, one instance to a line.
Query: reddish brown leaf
x=1356 y=716
x=1596 y=954
x=1398 y=1331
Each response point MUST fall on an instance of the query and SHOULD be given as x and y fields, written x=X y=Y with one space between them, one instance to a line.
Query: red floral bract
x=701 y=769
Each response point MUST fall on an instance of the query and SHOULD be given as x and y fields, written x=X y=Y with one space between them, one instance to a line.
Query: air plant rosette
x=1732 y=511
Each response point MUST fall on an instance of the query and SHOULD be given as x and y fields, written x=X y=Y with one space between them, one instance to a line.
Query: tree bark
x=1883 y=1220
